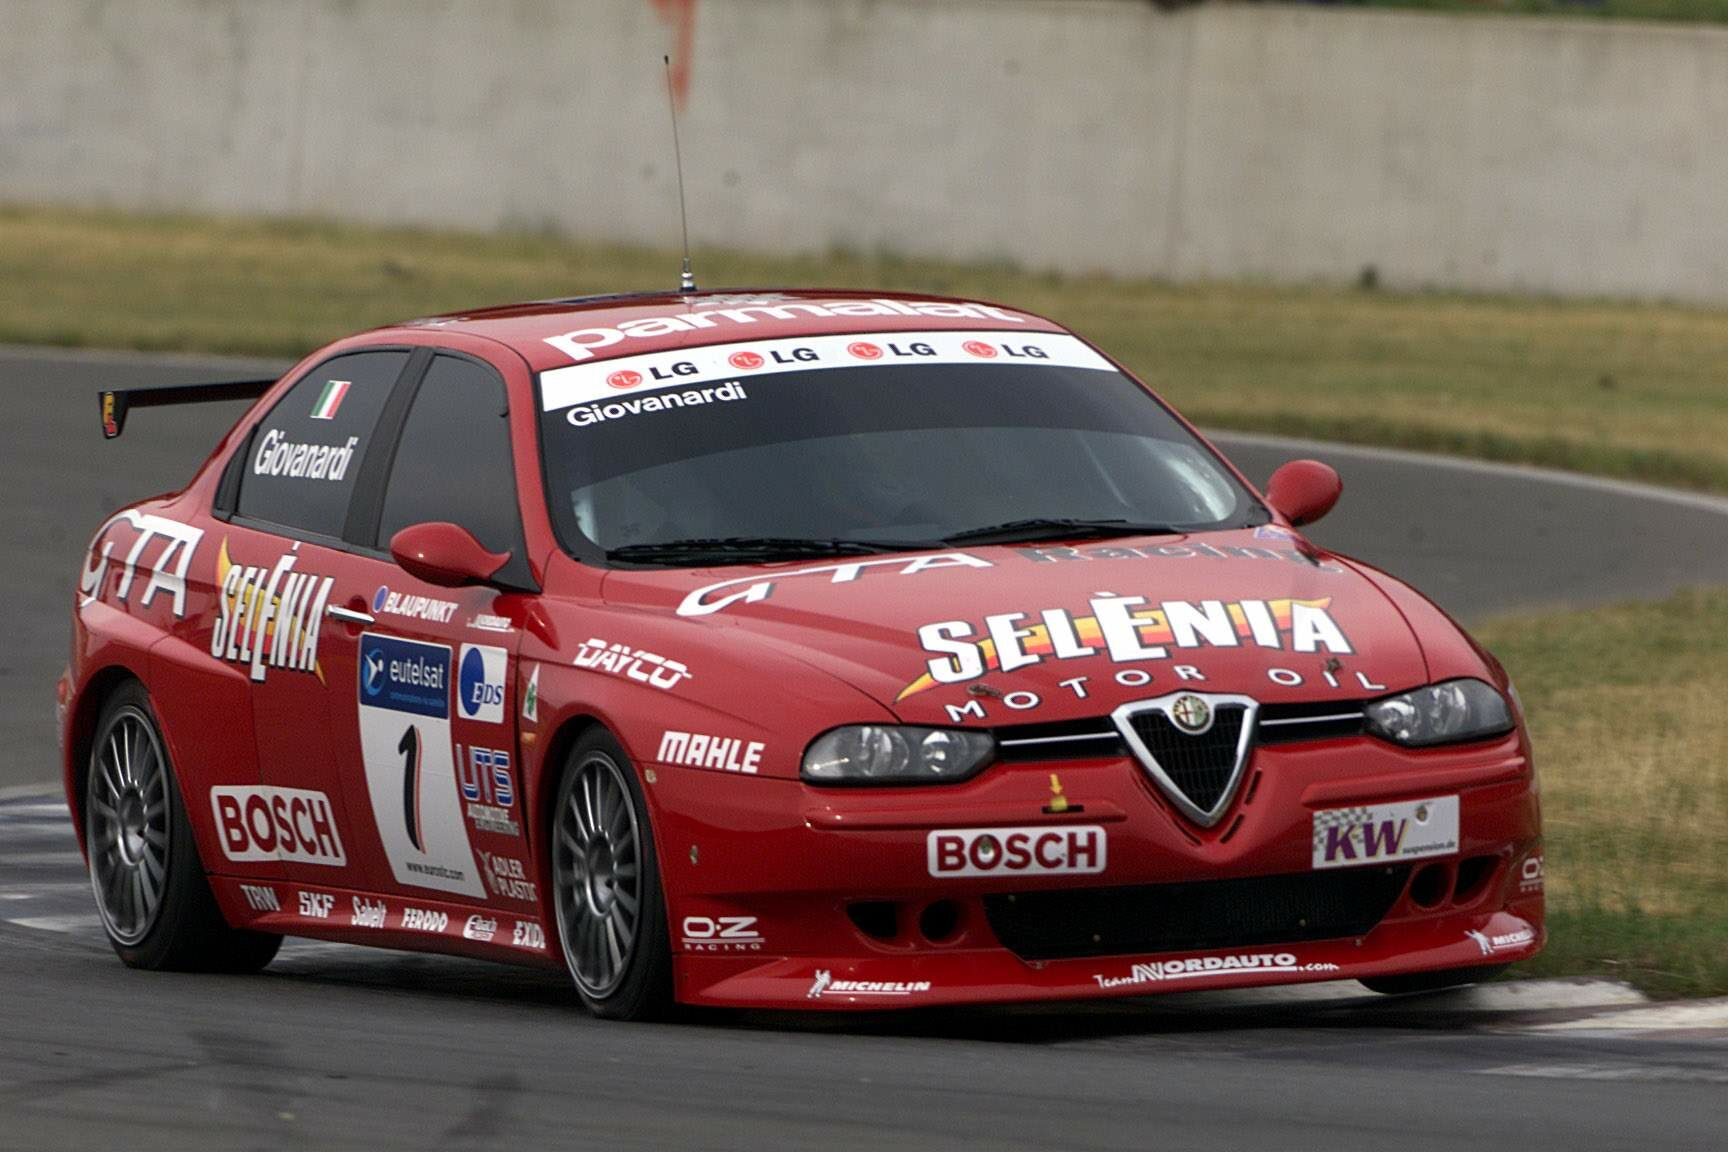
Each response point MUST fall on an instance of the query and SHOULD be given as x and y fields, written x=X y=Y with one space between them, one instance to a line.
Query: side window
x=453 y=460
x=304 y=458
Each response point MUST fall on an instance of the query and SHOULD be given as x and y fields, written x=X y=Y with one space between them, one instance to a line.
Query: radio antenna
x=686 y=279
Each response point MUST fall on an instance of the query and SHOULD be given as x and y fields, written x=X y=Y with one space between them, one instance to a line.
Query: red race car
x=800 y=650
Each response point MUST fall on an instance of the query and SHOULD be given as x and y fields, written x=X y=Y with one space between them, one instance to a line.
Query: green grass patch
x=1622 y=389
x=1631 y=743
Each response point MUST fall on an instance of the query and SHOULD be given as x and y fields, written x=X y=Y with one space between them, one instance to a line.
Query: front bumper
x=783 y=895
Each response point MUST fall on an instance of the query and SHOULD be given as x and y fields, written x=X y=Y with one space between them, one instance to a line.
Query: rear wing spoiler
x=117 y=402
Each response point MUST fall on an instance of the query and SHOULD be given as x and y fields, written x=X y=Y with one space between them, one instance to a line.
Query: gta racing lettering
x=404 y=709
x=179 y=543
x=720 y=753
x=266 y=823
x=1069 y=850
x=1373 y=834
x=1125 y=629
x=636 y=664
x=268 y=617
x=279 y=456
x=582 y=343
x=712 y=598
x=1158 y=971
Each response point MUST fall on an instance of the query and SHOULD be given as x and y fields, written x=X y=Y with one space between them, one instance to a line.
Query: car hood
x=1037 y=633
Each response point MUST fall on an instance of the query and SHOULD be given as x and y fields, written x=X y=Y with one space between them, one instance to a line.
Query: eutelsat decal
x=404 y=696
x=481 y=675
x=587 y=390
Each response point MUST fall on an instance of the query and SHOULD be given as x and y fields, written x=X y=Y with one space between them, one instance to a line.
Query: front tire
x=150 y=888
x=1432 y=981
x=606 y=881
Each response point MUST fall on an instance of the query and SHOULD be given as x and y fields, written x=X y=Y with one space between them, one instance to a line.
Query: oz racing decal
x=268 y=617
x=1199 y=967
x=265 y=823
x=404 y=697
x=586 y=393
x=1374 y=834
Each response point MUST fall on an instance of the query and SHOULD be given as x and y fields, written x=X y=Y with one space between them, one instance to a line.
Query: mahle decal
x=1126 y=629
x=269 y=617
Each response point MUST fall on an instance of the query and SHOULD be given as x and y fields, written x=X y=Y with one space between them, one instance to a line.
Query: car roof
x=601 y=327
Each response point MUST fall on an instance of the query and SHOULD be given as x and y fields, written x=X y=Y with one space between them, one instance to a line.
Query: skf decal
x=1124 y=629
x=167 y=569
x=264 y=823
x=636 y=664
x=713 y=598
x=268 y=617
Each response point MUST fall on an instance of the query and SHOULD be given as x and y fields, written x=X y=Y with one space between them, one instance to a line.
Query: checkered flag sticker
x=1334 y=818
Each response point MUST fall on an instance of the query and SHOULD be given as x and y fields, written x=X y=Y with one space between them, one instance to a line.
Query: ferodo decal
x=178 y=544
x=581 y=344
x=580 y=389
x=1123 y=628
x=1050 y=850
x=404 y=696
x=268 y=617
x=264 y=823
x=1376 y=833
x=712 y=598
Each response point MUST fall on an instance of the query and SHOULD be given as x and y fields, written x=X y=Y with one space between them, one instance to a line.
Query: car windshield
x=845 y=444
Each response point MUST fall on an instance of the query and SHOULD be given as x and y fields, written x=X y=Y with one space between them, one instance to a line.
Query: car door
x=283 y=572
x=426 y=732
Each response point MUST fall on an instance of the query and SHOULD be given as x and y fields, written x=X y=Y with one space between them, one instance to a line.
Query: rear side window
x=453 y=459
x=304 y=458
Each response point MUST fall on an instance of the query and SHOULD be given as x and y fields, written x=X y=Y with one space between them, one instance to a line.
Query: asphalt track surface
x=343 y=1047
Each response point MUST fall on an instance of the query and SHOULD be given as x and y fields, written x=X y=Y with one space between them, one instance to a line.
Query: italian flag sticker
x=330 y=399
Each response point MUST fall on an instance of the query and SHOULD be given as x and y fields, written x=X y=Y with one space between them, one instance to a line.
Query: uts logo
x=1070 y=850
x=746 y=360
x=624 y=378
x=480 y=686
x=277 y=824
x=864 y=350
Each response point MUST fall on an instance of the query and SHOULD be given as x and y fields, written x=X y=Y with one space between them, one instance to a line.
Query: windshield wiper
x=738 y=549
x=1056 y=528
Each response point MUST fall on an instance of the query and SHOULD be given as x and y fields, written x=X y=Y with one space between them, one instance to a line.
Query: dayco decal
x=388 y=603
x=1125 y=630
x=268 y=617
x=1173 y=552
x=167 y=570
x=580 y=344
x=264 y=823
x=1409 y=830
x=1157 y=971
x=636 y=664
x=824 y=984
x=722 y=753
x=1065 y=850
x=711 y=598
x=278 y=456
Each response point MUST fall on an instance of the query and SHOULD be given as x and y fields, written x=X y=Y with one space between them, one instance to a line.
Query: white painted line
x=1641 y=1071
x=76 y=922
x=1323 y=448
x=1657 y=1018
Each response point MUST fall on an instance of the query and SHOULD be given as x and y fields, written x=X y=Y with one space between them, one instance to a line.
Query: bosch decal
x=1061 y=850
x=264 y=823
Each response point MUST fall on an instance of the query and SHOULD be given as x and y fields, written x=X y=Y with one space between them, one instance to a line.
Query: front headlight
x=892 y=754
x=1445 y=713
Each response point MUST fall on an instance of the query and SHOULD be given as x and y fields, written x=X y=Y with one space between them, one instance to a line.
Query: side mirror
x=1302 y=491
x=445 y=554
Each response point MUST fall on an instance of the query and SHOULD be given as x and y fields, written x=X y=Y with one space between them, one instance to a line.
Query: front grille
x=1094 y=737
x=1206 y=914
x=1202 y=768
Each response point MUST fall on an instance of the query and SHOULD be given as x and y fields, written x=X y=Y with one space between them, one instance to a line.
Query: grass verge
x=1631 y=739
x=1631 y=390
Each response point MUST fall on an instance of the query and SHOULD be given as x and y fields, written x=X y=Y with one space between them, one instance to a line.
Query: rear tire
x=150 y=888
x=1432 y=981
x=606 y=885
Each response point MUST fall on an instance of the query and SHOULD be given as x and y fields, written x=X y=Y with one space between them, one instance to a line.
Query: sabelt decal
x=1199 y=967
x=1049 y=850
x=734 y=365
x=1126 y=629
x=712 y=598
x=266 y=823
x=404 y=696
x=481 y=675
x=582 y=343
x=176 y=544
x=366 y=912
x=268 y=617
x=636 y=664
x=1375 y=834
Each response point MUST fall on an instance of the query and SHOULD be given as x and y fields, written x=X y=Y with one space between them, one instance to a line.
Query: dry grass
x=1631 y=735
x=1624 y=389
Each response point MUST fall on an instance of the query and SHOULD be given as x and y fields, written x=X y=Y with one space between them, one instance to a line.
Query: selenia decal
x=268 y=617
x=404 y=695
x=1126 y=629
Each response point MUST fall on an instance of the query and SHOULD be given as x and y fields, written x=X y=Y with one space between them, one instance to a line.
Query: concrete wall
x=1276 y=143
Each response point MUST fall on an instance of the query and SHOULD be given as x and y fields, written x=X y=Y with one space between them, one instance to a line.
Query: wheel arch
x=86 y=710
